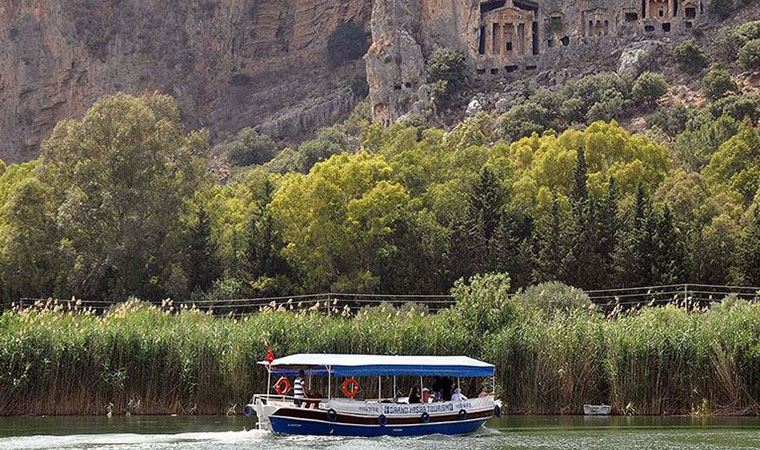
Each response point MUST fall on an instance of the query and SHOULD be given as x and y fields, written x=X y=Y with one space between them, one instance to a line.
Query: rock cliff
x=230 y=63
x=508 y=39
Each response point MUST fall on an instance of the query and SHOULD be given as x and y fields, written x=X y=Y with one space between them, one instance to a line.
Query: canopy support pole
x=379 y=388
x=269 y=382
x=421 y=388
x=395 y=397
x=329 y=384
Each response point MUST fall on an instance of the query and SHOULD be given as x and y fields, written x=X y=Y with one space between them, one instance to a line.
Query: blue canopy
x=381 y=365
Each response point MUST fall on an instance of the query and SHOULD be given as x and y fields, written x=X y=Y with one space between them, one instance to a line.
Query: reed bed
x=142 y=359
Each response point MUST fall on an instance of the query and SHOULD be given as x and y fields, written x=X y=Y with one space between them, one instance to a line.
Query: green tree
x=749 y=55
x=606 y=238
x=476 y=237
x=690 y=57
x=648 y=88
x=123 y=176
x=717 y=84
x=249 y=147
x=30 y=261
x=337 y=219
x=750 y=249
x=553 y=249
x=204 y=265
x=446 y=70
x=669 y=264
x=636 y=249
x=264 y=245
x=736 y=164
x=696 y=145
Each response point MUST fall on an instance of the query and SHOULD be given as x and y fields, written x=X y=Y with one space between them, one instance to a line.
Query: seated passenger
x=458 y=397
x=483 y=392
x=426 y=398
x=414 y=395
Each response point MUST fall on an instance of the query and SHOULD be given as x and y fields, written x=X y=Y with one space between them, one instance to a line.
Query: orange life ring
x=350 y=387
x=283 y=386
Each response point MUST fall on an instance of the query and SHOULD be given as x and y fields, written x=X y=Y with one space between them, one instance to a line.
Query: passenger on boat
x=414 y=395
x=458 y=397
x=298 y=389
x=426 y=395
x=483 y=392
x=437 y=392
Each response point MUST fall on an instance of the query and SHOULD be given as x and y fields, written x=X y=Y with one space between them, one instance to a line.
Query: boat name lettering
x=418 y=409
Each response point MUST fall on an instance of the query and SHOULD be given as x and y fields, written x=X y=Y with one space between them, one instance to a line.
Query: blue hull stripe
x=289 y=425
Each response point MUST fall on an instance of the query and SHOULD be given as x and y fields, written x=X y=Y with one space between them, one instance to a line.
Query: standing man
x=298 y=389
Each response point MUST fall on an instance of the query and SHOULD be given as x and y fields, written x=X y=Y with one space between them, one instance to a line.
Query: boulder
x=637 y=58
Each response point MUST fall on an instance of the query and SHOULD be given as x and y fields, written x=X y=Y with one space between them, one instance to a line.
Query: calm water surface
x=205 y=433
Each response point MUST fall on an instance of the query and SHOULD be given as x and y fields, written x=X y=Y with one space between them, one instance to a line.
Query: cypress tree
x=583 y=270
x=264 y=243
x=552 y=248
x=635 y=253
x=481 y=238
x=668 y=263
x=203 y=260
x=607 y=229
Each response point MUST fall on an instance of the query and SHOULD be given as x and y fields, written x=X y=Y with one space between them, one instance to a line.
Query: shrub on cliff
x=749 y=55
x=250 y=147
x=737 y=106
x=717 y=84
x=690 y=57
x=347 y=43
x=648 y=88
x=446 y=71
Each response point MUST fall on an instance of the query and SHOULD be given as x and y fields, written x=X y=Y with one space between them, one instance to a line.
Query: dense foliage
x=552 y=350
x=120 y=204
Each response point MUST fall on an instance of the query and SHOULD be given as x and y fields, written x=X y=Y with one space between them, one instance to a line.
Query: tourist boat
x=350 y=415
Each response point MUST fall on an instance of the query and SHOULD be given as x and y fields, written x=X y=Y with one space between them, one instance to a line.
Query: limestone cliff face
x=507 y=39
x=230 y=63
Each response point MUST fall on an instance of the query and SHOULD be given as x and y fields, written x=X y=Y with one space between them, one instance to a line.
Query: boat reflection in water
x=371 y=417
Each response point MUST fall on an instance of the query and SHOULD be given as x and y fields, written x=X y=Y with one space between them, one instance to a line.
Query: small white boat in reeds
x=351 y=415
x=597 y=410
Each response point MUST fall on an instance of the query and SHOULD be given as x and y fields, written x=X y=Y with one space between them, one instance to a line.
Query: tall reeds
x=141 y=359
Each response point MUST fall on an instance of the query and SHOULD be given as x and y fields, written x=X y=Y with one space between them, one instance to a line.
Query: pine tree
x=203 y=260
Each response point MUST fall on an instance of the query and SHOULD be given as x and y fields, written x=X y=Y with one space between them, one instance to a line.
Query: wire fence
x=689 y=296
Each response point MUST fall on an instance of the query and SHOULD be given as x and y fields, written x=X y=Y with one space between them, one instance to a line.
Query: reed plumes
x=142 y=359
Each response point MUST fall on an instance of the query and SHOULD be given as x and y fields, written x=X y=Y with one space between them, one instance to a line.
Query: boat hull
x=301 y=426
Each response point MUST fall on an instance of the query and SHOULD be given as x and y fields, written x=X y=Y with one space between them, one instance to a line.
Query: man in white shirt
x=457 y=396
x=298 y=389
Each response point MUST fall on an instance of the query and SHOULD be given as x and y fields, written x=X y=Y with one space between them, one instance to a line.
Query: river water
x=514 y=432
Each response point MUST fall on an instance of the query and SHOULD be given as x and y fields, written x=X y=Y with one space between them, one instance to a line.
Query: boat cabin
x=356 y=401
